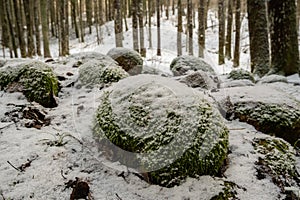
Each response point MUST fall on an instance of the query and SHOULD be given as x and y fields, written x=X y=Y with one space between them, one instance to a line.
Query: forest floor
x=44 y=163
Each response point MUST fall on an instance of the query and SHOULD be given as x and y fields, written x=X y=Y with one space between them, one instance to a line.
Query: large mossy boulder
x=35 y=79
x=130 y=60
x=182 y=64
x=96 y=72
x=162 y=128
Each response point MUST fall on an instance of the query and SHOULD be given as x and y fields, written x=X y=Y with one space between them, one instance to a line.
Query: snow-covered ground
x=47 y=168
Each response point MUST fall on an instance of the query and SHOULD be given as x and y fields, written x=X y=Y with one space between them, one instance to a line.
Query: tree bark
x=201 y=28
x=259 y=41
x=19 y=27
x=135 y=25
x=44 y=10
x=89 y=14
x=229 y=30
x=118 y=23
x=37 y=27
x=29 y=7
x=141 y=28
x=284 y=41
x=82 y=33
x=236 y=59
x=190 y=26
x=150 y=23
x=179 y=28
x=158 y=27
x=10 y=20
x=221 y=17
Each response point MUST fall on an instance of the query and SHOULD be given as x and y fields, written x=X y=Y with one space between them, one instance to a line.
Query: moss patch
x=241 y=74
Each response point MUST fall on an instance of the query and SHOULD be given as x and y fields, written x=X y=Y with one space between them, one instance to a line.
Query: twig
x=6 y=126
x=119 y=198
x=13 y=166
x=62 y=174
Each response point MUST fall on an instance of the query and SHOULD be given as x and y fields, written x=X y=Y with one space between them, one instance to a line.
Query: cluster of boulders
x=166 y=128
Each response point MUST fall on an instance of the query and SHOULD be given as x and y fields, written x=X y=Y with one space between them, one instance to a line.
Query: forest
x=149 y=99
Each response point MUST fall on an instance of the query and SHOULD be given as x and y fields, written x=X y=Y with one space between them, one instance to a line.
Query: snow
x=52 y=167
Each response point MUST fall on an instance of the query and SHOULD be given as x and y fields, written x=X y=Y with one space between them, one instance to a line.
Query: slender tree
x=19 y=28
x=284 y=41
x=179 y=28
x=229 y=30
x=29 y=7
x=150 y=23
x=201 y=28
x=221 y=17
x=74 y=6
x=6 y=39
x=37 y=27
x=10 y=20
x=118 y=23
x=236 y=59
x=259 y=41
x=190 y=26
x=82 y=33
x=89 y=14
x=44 y=10
x=158 y=27
x=141 y=28
x=134 y=13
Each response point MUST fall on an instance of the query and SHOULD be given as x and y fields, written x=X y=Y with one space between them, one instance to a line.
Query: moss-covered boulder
x=241 y=74
x=161 y=128
x=182 y=64
x=130 y=60
x=39 y=83
x=100 y=72
x=277 y=160
x=80 y=58
x=274 y=119
x=35 y=79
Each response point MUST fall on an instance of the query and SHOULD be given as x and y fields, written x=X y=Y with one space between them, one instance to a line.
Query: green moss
x=151 y=134
x=280 y=120
x=39 y=83
x=9 y=75
x=112 y=74
x=228 y=192
x=241 y=74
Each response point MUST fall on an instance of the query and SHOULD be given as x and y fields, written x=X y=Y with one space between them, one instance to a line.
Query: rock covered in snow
x=35 y=79
x=98 y=72
x=201 y=79
x=273 y=78
x=182 y=64
x=237 y=83
x=241 y=74
x=130 y=60
x=162 y=128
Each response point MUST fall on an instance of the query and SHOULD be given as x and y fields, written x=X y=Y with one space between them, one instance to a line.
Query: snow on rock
x=130 y=60
x=167 y=130
x=182 y=64
x=272 y=79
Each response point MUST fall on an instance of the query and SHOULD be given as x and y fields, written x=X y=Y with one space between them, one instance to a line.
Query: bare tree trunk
x=190 y=26
x=259 y=41
x=141 y=27
x=81 y=21
x=221 y=17
x=37 y=27
x=29 y=7
x=173 y=7
x=11 y=27
x=118 y=23
x=236 y=59
x=167 y=8
x=6 y=38
x=158 y=28
x=201 y=28
x=89 y=14
x=135 y=25
x=74 y=6
x=179 y=28
x=229 y=30
x=150 y=22
x=19 y=27
x=44 y=10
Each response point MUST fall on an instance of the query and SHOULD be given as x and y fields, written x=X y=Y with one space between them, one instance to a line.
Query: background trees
x=22 y=21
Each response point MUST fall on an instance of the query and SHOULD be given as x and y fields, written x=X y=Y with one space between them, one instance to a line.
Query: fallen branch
x=119 y=198
x=14 y=166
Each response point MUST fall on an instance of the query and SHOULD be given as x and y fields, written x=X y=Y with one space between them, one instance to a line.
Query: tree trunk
x=284 y=41
x=141 y=27
x=81 y=21
x=135 y=25
x=19 y=27
x=201 y=28
x=29 y=7
x=221 y=17
x=150 y=23
x=118 y=23
x=74 y=5
x=236 y=59
x=37 y=26
x=11 y=27
x=6 y=39
x=158 y=27
x=44 y=10
x=190 y=26
x=89 y=14
x=179 y=28
x=259 y=41
x=229 y=30
x=167 y=8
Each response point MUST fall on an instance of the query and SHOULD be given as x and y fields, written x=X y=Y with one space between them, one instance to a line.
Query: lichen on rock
x=163 y=128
